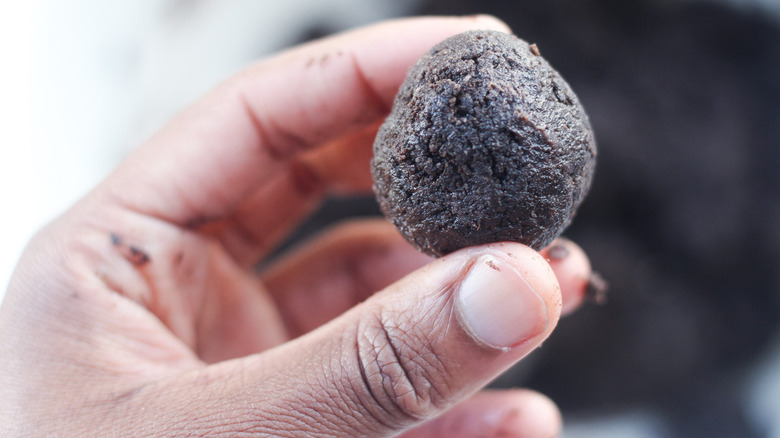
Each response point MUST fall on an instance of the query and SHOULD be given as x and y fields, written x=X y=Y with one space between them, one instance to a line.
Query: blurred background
x=682 y=219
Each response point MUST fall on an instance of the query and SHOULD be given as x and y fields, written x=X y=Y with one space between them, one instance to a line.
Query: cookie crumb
x=596 y=289
x=134 y=254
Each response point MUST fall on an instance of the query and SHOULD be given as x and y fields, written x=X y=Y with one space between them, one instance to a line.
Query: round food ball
x=485 y=143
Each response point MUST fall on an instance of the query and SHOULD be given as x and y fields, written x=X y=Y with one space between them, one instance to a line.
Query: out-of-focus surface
x=685 y=102
x=85 y=81
x=682 y=218
x=18 y=141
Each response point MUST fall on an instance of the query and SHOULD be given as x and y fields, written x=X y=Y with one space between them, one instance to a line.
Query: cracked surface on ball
x=485 y=143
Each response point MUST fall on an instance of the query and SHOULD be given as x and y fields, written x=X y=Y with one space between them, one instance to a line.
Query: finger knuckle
x=404 y=380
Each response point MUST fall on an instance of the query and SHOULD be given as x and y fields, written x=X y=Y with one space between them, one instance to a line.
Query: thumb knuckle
x=404 y=381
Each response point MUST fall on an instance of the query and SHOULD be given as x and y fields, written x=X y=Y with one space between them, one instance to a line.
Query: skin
x=137 y=312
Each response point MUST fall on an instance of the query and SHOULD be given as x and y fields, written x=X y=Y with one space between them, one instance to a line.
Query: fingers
x=506 y=414
x=348 y=263
x=402 y=357
x=338 y=270
x=254 y=229
x=572 y=268
x=219 y=152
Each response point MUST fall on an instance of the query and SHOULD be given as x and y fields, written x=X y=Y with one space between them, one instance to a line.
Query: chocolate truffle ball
x=485 y=143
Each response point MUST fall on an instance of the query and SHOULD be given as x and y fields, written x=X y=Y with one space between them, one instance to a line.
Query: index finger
x=218 y=152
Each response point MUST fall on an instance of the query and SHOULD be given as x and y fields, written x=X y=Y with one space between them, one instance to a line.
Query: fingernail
x=498 y=307
x=558 y=250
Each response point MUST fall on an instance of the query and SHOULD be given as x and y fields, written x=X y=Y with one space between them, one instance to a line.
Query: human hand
x=138 y=313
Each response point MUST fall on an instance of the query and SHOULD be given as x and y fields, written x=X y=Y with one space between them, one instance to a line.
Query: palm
x=220 y=309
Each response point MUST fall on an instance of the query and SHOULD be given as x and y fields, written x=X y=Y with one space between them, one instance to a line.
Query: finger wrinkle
x=290 y=143
x=200 y=221
x=369 y=89
x=373 y=407
x=304 y=178
x=244 y=234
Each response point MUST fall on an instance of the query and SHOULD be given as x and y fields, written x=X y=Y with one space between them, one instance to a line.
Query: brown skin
x=137 y=313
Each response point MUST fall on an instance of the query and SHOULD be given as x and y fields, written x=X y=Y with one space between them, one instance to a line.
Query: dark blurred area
x=682 y=219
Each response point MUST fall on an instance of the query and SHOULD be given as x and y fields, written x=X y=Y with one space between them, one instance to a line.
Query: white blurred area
x=85 y=81
x=19 y=141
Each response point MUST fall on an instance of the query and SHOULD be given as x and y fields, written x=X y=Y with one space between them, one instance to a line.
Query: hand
x=137 y=313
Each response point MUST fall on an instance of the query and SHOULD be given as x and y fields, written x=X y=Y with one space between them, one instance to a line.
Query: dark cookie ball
x=485 y=143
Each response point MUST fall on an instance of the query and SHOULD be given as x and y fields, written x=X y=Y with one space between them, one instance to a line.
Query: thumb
x=400 y=358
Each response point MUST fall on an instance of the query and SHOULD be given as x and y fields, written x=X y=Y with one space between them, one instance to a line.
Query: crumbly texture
x=485 y=142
